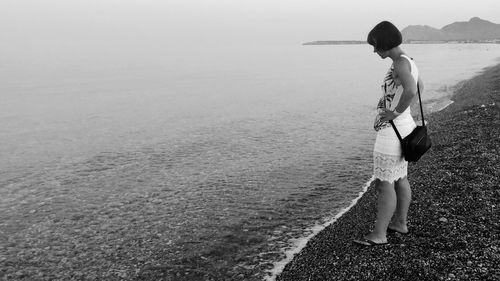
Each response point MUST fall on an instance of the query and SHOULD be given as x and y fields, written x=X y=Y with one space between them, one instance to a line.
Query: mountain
x=423 y=32
x=474 y=30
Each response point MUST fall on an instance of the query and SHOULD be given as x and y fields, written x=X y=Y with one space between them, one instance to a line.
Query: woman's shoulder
x=402 y=63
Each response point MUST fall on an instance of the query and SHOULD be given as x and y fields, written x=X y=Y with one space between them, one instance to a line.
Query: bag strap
x=420 y=101
x=421 y=112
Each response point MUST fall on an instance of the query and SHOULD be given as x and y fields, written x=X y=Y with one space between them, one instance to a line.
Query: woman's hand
x=387 y=115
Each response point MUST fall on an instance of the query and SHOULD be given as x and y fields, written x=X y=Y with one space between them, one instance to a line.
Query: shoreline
x=330 y=255
x=302 y=242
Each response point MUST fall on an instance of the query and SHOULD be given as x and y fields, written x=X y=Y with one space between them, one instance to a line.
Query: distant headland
x=475 y=30
x=335 y=42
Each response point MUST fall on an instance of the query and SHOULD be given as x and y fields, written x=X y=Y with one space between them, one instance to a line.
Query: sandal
x=367 y=242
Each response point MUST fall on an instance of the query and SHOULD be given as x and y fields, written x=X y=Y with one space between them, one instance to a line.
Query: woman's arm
x=420 y=84
x=402 y=69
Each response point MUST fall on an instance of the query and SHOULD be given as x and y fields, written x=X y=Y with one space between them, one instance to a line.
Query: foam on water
x=301 y=243
x=249 y=146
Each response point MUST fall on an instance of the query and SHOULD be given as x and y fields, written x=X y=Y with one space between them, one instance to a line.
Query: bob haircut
x=384 y=36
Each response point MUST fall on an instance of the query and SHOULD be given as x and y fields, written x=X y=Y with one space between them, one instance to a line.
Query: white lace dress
x=388 y=161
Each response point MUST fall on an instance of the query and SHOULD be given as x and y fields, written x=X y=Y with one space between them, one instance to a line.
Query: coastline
x=357 y=42
x=302 y=243
x=454 y=214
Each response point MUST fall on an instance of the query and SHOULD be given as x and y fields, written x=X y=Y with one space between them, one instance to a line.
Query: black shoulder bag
x=418 y=141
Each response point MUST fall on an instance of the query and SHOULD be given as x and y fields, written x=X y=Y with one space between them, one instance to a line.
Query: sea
x=223 y=160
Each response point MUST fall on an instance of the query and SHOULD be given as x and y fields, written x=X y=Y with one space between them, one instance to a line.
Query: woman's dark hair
x=384 y=36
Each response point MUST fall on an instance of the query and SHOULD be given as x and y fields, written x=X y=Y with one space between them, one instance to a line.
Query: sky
x=224 y=21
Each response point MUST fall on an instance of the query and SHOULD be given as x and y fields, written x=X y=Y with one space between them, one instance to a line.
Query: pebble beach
x=115 y=215
x=454 y=219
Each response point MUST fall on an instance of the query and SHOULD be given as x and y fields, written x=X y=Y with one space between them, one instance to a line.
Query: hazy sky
x=238 y=21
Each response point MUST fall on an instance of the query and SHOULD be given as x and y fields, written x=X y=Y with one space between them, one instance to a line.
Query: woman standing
x=390 y=168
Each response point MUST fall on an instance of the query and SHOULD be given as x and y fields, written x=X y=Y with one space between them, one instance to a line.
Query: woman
x=390 y=168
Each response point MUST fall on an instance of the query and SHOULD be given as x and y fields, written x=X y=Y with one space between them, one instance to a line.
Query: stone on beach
x=453 y=217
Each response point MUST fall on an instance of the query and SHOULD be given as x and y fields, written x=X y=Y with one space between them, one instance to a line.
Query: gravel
x=455 y=213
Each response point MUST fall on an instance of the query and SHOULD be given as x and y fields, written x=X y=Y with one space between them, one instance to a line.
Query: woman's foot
x=367 y=242
x=397 y=228
x=371 y=240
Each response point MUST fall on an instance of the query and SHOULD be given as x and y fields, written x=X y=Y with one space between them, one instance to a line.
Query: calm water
x=231 y=154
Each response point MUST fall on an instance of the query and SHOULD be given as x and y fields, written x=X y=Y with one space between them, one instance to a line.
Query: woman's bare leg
x=403 y=193
x=386 y=205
